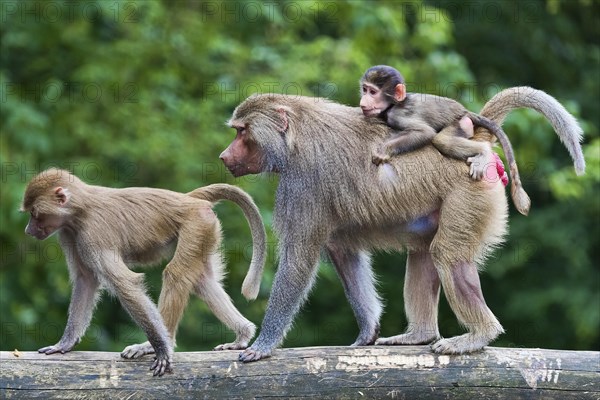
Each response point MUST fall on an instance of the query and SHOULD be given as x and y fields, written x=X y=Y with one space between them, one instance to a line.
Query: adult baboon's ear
x=283 y=125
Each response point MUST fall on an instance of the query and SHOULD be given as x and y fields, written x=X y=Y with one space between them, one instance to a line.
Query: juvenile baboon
x=333 y=199
x=419 y=119
x=103 y=231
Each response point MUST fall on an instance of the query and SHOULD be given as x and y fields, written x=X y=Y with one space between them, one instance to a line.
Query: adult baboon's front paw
x=162 y=364
x=251 y=354
x=57 y=348
x=367 y=338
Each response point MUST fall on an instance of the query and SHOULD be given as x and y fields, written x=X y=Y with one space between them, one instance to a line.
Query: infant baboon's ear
x=400 y=92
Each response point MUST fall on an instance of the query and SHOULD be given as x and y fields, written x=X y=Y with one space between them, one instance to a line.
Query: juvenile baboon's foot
x=466 y=343
x=479 y=165
x=251 y=354
x=242 y=338
x=232 y=346
x=380 y=158
x=137 y=350
x=407 y=339
x=367 y=338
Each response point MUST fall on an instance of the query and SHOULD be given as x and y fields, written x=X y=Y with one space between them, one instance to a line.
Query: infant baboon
x=420 y=119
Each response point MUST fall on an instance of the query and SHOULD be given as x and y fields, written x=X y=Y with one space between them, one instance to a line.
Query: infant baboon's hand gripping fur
x=103 y=231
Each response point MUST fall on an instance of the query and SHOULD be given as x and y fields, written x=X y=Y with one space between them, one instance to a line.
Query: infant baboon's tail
x=520 y=198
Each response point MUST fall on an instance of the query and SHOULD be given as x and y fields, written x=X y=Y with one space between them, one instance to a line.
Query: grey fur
x=331 y=195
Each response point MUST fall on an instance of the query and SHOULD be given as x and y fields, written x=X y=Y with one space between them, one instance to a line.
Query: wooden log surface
x=408 y=372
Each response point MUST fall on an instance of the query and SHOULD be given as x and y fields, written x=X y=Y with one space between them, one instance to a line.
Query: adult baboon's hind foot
x=409 y=338
x=462 y=344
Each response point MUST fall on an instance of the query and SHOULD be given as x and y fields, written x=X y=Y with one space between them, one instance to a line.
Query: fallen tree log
x=323 y=372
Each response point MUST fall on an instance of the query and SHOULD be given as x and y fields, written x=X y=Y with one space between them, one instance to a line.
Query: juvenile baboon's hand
x=252 y=354
x=161 y=365
x=57 y=348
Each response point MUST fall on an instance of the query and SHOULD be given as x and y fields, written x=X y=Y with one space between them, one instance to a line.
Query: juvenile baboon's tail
x=222 y=191
x=564 y=124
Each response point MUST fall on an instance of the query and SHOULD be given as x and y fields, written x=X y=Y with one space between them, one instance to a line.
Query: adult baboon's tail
x=222 y=191
x=564 y=124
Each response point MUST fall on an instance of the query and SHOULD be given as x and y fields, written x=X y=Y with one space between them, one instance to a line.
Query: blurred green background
x=136 y=93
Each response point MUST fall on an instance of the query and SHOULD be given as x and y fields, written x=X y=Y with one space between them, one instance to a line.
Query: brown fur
x=331 y=196
x=103 y=231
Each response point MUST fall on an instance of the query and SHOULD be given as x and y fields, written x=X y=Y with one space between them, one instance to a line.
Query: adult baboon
x=331 y=196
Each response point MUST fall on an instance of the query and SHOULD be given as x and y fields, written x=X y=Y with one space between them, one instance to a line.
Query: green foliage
x=136 y=93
